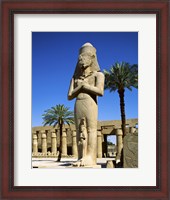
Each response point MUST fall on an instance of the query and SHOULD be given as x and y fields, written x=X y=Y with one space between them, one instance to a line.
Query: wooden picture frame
x=11 y=7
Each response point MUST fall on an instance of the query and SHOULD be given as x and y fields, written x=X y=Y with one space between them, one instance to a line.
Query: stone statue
x=83 y=137
x=87 y=83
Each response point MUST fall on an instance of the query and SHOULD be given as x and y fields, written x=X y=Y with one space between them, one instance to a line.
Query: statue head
x=87 y=58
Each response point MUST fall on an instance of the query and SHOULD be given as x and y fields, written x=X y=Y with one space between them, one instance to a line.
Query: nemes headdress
x=89 y=49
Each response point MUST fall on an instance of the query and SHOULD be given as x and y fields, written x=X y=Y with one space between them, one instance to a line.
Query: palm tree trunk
x=60 y=147
x=122 y=109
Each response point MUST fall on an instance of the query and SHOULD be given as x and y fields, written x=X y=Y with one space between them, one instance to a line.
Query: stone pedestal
x=44 y=142
x=64 y=144
x=53 y=142
x=99 y=144
x=74 y=144
x=35 y=144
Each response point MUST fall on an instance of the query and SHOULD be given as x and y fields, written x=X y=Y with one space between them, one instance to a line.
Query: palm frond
x=58 y=115
x=120 y=76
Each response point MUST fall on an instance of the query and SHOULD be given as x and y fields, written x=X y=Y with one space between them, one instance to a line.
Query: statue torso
x=91 y=80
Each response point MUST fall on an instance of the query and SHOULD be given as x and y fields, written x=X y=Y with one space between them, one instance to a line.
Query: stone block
x=130 y=150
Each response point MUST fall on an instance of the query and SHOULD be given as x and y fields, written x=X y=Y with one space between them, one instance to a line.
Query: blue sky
x=54 y=57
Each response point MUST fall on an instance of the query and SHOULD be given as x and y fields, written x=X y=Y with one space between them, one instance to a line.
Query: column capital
x=64 y=134
x=43 y=135
x=119 y=132
x=53 y=134
x=34 y=136
x=74 y=133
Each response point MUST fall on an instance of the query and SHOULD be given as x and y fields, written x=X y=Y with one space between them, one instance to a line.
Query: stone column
x=99 y=144
x=74 y=144
x=39 y=139
x=53 y=142
x=127 y=129
x=44 y=141
x=64 y=143
x=35 y=143
x=119 y=135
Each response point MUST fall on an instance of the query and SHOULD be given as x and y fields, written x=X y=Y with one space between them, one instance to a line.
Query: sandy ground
x=64 y=163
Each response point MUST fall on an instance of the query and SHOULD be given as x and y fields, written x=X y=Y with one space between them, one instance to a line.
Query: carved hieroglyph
x=130 y=150
x=87 y=83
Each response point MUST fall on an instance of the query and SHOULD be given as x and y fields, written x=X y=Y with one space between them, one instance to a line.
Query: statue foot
x=76 y=164
x=86 y=161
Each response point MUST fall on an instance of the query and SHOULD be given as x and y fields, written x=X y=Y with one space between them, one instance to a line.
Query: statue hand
x=79 y=81
x=85 y=85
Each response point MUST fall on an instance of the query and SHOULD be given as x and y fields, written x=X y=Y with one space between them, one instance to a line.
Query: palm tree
x=121 y=76
x=58 y=115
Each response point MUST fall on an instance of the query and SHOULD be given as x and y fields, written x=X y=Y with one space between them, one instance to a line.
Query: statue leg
x=91 y=158
x=91 y=125
x=87 y=109
x=78 y=113
x=79 y=145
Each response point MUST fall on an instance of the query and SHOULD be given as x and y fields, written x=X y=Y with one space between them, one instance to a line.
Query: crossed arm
x=98 y=89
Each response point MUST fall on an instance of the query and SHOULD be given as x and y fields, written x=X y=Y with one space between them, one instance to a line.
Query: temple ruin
x=46 y=140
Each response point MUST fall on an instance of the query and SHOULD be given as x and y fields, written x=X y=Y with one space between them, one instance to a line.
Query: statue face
x=85 y=60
